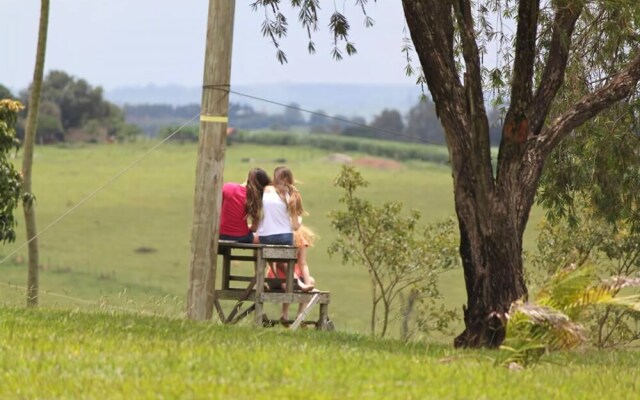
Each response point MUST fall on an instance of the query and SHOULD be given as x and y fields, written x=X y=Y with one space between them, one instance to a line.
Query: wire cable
x=85 y=301
x=99 y=189
x=390 y=133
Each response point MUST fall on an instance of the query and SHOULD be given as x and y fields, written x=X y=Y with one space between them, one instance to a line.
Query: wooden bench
x=256 y=292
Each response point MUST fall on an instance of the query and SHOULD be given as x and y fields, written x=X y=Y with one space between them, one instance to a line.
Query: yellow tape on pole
x=214 y=118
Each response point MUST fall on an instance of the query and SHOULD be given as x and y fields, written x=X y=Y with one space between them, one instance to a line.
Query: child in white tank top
x=282 y=207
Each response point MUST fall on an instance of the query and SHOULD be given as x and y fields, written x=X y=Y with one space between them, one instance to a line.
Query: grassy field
x=64 y=355
x=128 y=246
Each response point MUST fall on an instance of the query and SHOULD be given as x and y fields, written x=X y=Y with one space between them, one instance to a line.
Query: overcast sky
x=115 y=43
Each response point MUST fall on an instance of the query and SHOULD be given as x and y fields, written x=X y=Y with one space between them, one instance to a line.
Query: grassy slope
x=51 y=354
x=91 y=253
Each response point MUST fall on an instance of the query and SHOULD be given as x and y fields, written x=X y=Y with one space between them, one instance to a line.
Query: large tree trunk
x=27 y=161
x=493 y=209
x=491 y=251
x=492 y=283
x=491 y=221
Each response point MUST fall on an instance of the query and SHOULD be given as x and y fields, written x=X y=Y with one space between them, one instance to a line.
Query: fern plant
x=552 y=320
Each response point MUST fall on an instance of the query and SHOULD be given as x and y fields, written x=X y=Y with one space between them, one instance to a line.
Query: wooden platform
x=254 y=290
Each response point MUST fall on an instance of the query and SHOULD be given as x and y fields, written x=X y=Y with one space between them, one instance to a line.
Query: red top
x=233 y=216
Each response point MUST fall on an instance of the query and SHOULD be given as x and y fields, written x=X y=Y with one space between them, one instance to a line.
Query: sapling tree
x=398 y=256
x=27 y=161
x=439 y=253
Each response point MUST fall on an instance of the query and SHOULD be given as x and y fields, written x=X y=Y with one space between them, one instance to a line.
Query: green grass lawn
x=65 y=355
x=97 y=253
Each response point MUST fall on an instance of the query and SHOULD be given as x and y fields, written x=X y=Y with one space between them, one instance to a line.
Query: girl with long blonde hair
x=282 y=208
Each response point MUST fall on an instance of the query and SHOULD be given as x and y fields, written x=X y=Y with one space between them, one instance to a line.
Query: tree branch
x=619 y=87
x=473 y=76
x=477 y=114
x=525 y=53
x=553 y=74
x=431 y=25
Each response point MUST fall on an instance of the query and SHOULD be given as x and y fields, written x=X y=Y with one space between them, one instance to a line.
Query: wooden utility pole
x=210 y=164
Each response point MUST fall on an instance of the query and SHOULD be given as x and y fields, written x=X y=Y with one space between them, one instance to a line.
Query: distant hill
x=363 y=100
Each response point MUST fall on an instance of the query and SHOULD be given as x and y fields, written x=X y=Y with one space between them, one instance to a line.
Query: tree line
x=419 y=125
x=71 y=109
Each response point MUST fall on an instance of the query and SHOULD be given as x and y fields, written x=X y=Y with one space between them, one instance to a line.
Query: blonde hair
x=304 y=237
x=283 y=181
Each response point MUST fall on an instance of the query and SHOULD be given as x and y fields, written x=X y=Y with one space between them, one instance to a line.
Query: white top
x=276 y=218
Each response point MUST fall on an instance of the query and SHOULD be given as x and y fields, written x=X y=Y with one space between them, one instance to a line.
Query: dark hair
x=284 y=184
x=256 y=181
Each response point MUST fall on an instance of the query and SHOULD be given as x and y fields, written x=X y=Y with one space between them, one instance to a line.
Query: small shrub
x=398 y=256
x=555 y=317
x=10 y=178
x=610 y=250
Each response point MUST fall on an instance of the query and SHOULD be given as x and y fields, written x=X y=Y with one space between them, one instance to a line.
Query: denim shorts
x=248 y=238
x=280 y=238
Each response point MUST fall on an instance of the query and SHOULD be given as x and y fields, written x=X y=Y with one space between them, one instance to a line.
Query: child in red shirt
x=241 y=202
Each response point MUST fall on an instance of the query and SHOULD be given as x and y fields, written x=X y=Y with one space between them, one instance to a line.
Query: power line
x=389 y=132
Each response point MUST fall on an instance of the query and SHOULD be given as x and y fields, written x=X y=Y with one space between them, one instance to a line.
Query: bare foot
x=304 y=287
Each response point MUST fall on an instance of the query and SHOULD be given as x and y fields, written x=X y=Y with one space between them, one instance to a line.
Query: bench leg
x=258 y=311
x=324 y=324
x=226 y=269
x=216 y=303
x=244 y=314
x=259 y=274
x=245 y=296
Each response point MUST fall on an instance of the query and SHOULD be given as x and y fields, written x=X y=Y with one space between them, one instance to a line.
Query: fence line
x=85 y=301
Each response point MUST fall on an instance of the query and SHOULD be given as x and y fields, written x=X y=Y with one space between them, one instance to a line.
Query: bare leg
x=302 y=256
x=282 y=269
x=306 y=281
x=306 y=276
x=303 y=281
x=271 y=272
